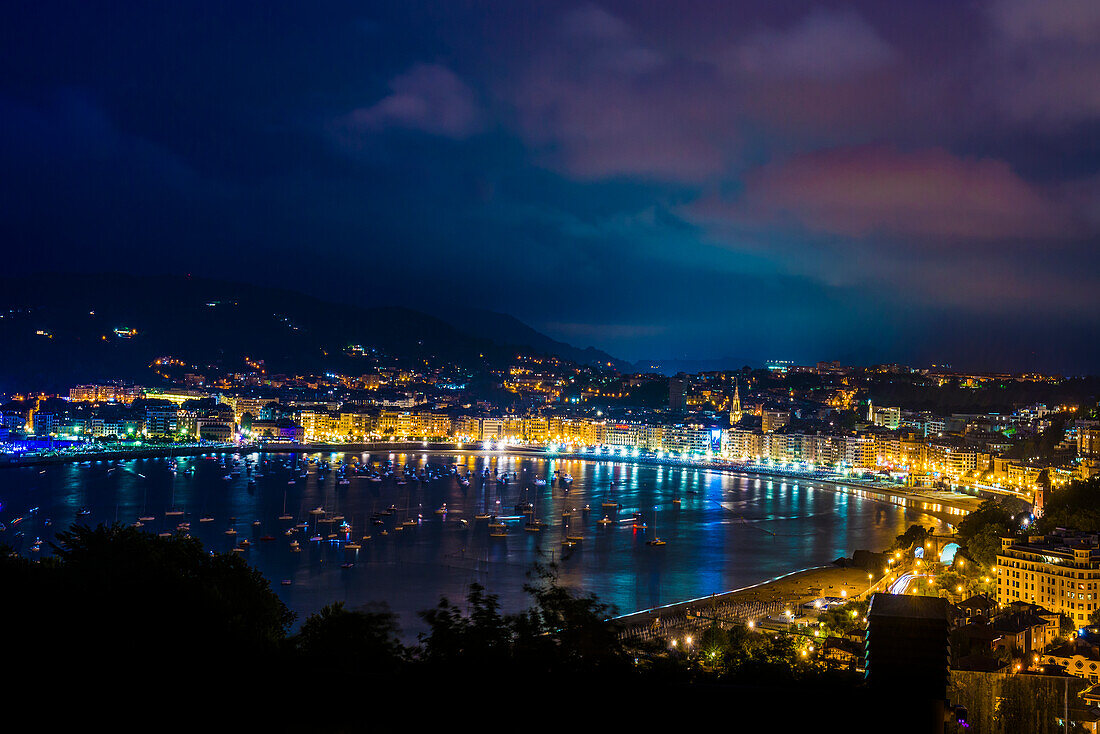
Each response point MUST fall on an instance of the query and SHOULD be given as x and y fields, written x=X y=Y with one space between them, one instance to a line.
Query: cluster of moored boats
x=320 y=525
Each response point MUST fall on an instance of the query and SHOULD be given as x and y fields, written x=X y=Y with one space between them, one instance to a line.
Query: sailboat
x=285 y=515
x=409 y=522
x=655 y=540
x=534 y=524
x=486 y=514
x=173 y=511
x=145 y=517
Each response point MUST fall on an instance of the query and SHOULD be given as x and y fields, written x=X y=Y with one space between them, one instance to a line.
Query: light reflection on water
x=727 y=531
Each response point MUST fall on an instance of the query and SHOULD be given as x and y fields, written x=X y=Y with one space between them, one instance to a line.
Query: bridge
x=939 y=547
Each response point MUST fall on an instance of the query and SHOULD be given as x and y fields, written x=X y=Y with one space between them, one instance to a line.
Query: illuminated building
x=177 y=396
x=886 y=417
x=215 y=424
x=536 y=429
x=491 y=428
x=773 y=420
x=735 y=405
x=1060 y=572
x=103 y=394
x=257 y=407
x=1088 y=441
x=284 y=430
x=161 y=420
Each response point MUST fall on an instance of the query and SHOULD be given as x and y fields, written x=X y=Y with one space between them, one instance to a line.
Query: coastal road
x=903 y=583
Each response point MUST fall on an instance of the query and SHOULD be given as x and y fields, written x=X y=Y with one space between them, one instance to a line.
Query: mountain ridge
x=62 y=326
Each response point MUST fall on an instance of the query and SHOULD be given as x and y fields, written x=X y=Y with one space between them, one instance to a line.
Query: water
x=727 y=531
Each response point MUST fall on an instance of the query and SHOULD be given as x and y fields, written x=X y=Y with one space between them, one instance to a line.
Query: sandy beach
x=790 y=591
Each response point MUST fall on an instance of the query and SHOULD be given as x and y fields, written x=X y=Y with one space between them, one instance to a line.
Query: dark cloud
x=857 y=179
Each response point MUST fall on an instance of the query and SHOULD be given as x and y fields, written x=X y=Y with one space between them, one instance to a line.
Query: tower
x=735 y=405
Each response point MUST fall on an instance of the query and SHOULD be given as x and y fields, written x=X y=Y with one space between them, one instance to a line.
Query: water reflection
x=722 y=531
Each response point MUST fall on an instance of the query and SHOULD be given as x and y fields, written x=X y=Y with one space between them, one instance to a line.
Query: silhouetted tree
x=363 y=641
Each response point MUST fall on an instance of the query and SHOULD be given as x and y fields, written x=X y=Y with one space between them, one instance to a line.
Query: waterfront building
x=491 y=429
x=215 y=426
x=431 y=425
x=1015 y=474
x=45 y=422
x=318 y=425
x=683 y=438
x=859 y=452
x=283 y=429
x=161 y=419
x=536 y=429
x=104 y=394
x=467 y=428
x=953 y=460
x=357 y=425
x=625 y=434
x=513 y=427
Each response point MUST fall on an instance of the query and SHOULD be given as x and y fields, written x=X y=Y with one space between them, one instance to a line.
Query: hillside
x=504 y=329
x=206 y=322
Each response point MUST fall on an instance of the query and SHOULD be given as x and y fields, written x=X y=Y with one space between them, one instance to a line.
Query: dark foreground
x=122 y=629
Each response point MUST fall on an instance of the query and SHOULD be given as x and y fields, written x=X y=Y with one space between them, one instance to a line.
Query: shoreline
x=790 y=590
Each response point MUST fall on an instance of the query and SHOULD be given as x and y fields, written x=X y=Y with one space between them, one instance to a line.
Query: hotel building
x=1060 y=572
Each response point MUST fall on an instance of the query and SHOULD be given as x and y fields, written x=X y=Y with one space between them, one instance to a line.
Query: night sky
x=863 y=181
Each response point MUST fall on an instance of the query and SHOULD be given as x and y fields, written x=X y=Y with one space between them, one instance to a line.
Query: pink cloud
x=597 y=101
x=881 y=191
x=429 y=98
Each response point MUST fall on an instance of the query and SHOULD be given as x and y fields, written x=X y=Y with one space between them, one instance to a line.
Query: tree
x=568 y=632
x=915 y=535
x=1076 y=505
x=714 y=643
x=846 y=619
x=984 y=545
x=109 y=598
x=134 y=585
x=481 y=639
x=361 y=640
x=981 y=531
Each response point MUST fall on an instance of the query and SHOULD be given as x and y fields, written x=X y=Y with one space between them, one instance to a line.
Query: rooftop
x=906 y=607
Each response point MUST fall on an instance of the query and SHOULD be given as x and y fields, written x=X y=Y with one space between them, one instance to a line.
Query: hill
x=59 y=330
x=502 y=328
